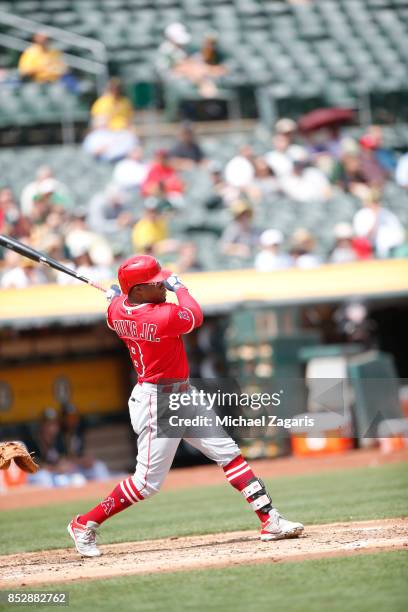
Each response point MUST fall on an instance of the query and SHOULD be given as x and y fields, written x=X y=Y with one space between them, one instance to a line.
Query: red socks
x=123 y=495
x=239 y=474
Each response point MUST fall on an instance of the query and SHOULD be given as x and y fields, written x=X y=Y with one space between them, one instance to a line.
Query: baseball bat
x=30 y=253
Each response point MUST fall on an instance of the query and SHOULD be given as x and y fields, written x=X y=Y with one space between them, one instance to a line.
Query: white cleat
x=84 y=537
x=279 y=528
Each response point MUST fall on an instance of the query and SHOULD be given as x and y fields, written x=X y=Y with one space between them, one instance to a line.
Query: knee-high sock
x=123 y=495
x=239 y=474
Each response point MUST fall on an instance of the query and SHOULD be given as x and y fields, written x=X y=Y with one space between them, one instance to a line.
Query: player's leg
x=226 y=453
x=155 y=454
x=154 y=459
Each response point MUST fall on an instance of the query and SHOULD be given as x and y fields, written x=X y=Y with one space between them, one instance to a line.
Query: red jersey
x=152 y=333
x=164 y=175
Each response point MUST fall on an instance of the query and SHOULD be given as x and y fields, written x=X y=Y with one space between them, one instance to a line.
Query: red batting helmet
x=140 y=270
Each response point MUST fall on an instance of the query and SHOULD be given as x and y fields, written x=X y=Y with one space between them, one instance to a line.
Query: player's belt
x=170 y=387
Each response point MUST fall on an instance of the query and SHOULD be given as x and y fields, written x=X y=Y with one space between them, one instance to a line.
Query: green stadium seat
x=27 y=6
x=39 y=16
x=332 y=42
x=64 y=20
x=7 y=7
x=57 y=5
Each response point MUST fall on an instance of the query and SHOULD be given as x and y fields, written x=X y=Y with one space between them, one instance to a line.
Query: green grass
x=364 y=493
x=360 y=583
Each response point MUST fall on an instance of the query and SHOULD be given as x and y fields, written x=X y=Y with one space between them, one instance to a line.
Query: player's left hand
x=172 y=283
x=112 y=292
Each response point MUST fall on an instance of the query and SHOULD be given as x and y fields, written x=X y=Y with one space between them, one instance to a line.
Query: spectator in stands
x=240 y=170
x=187 y=260
x=33 y=189
x=343 y=250
x=22 y=228
x=9 y=211
x=187 y=75
x=60 y=466
x=2 y=217
x=186 y=153
x=240 y=238
x=47 y=444
x=53 y=225
x=174 y=67
x=113 y=109
x=109 y=212
x=72 y=429
x=12 y=222
x=347 y=171
x=270 y=256
x=20 y=272
x=401 y=172
x=322 y=142
x=305 y=183
x=174 y=51
x=375 y=173
x=379 y=225
x=176 y=254
x=288 y=127
x=79 y=239
x=112 y=135
x=222 y=195
x=54 y=245
x=86 y=265
x=402 y=250
x=210 y=66
x=151 y=229
x=302 y=247
x=211 y=53
x=73 y=437
x=373 y=140
x=43 y=64
x=162 y=180
x=129 y=173
x=109 y=145
x=176 y=59
x=265 y=183
x=279 y=158
x=356 y=166
x=49 y=194
x=44 y=203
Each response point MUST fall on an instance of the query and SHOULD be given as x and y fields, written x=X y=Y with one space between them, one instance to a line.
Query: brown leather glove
x=17 y=451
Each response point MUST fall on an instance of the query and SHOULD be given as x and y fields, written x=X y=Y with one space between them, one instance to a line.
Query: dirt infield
x=30 y=497
x=198 y=552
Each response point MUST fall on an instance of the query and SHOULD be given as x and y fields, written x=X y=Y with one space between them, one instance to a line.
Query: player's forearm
x=186 y=300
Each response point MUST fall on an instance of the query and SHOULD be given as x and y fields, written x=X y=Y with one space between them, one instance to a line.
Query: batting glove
x=172 y=283
x=112 y=292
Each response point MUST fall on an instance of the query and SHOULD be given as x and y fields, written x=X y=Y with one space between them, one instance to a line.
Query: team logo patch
x=183 y=315
x=108 y=505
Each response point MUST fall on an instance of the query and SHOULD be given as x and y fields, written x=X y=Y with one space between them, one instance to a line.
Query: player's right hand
x=112 y=292
x=172 y=283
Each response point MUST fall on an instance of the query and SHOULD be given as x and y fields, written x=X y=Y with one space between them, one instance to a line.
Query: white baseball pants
x=155 y=455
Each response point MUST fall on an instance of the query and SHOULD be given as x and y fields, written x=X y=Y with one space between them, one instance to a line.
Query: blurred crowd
x=134 y=213
x=148 y=195
x=58 y=441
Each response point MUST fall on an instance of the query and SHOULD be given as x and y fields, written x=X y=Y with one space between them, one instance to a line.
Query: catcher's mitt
x=20 y=454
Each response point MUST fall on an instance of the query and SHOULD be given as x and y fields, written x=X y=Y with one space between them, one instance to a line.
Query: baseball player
x=152 y=329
